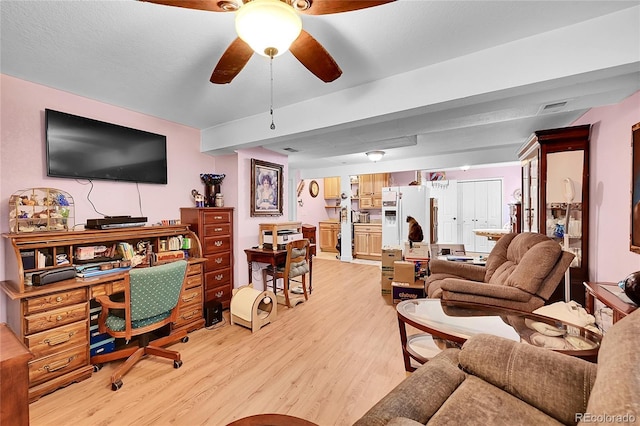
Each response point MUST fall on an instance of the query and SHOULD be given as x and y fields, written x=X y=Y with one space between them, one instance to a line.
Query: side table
x=14 y=378
x=598 y=290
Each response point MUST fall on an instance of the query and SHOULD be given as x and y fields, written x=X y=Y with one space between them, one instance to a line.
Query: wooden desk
x=275 y=258
x=594 y=290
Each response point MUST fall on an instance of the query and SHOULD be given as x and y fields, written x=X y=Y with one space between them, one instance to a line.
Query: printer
x=283 y=237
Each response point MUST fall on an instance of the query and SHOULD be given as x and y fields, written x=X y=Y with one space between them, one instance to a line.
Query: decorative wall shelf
x=41 y=209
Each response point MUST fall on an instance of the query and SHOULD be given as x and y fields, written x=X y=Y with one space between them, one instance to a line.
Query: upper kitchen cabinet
x=370 y=190
x=332 y=188
x=555 y=195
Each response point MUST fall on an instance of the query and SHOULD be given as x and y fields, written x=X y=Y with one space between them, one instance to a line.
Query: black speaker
x=212 y=313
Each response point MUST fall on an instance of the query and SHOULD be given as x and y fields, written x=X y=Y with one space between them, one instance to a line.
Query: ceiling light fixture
x=375 y=155
x=268 y=26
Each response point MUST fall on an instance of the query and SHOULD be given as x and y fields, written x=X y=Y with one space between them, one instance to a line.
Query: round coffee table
x=449 y=324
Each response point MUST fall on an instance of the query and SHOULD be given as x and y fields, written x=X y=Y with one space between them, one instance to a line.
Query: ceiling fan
x=257 y=21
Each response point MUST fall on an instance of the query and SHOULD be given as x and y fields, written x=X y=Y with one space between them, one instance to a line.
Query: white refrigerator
x=398 y=202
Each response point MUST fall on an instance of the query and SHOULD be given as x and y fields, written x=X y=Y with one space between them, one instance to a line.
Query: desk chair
x=150 y=302
x=297 y=265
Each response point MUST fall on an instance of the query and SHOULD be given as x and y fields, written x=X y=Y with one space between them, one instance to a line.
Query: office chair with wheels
x=150 y=302
x=297 y=265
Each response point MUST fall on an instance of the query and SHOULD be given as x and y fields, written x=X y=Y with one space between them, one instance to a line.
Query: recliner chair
x=522 y=272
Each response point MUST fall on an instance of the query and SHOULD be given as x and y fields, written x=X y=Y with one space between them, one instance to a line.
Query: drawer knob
x=219 y=294
x=218 y=260
x=59 y=299
x=218 y=217
x=60 y=338
x=59 y=365
x=190 y=298
x=218 y=229
x=59 y=318
x=217 y=243
x=219 y=277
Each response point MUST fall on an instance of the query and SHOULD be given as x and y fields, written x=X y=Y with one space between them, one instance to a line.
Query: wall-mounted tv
x=83 y=148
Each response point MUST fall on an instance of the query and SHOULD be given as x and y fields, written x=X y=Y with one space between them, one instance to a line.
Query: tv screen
x=82 y=148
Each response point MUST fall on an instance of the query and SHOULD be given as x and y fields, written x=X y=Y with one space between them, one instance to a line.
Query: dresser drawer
x=55 y=318
x=217 y=278
x=218 y=261
x=54 y=300
x=194 y=268
x=191 y=295
x=213 y=230
x=193 y=281
x=57 y=339
x=50 y=367
x=107 y=289
x=217 y=217
x=216 y=244
x=188 y=313
x=220 y=294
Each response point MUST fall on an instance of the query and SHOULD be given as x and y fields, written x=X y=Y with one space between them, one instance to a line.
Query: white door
x=480 y=206
x=447 y=195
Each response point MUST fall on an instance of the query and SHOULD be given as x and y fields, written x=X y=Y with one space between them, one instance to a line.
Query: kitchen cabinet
x=367 y=240
x=332 y=188
x=329 y=236
x=555 y=180
x=370 y=190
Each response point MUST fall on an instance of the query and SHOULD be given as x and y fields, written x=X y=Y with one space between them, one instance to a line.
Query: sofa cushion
x=531 y=374
x=616 y=391
x=534 y=266
x=476 y=402
x=437 y=378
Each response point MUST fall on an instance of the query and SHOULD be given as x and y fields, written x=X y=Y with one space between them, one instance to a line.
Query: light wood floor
x=327 y=360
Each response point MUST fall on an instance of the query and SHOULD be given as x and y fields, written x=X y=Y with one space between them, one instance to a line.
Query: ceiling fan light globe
x=268 y=26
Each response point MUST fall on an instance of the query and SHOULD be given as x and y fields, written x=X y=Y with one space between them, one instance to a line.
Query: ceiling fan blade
x=313 y=56
x=232 y=61
x=209 y=5
x=325 y=7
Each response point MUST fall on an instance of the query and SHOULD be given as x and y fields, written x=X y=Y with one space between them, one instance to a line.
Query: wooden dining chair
x=297 y=265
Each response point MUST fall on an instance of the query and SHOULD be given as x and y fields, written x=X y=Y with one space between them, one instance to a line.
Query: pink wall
x=22 y=158
x=610 y=182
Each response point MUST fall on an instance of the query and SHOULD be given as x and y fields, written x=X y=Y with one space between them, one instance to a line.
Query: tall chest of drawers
x=214 y=227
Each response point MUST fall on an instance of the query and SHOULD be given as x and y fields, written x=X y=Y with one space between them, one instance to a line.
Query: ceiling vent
x=553 y=107
x=291 y=150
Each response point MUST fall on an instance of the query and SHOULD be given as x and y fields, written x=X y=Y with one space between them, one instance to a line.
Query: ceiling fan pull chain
x=273 y=126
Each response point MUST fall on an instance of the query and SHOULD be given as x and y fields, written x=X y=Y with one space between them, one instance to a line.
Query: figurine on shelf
x=198 y=197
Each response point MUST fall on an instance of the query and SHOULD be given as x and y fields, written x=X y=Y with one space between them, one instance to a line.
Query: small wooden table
x=275 y=258
x=595 y=290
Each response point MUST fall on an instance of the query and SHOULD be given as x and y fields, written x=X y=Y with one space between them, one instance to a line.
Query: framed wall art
x=635 y=188
x=266 y=188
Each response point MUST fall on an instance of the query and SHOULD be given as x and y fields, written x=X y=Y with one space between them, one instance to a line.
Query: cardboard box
x=416 y=250
x=385 y=282
x=406 y=291
x=403 y=271
x=421 y=266
x=390 y=255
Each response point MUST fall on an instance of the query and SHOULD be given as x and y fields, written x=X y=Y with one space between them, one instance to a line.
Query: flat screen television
x=83 y=148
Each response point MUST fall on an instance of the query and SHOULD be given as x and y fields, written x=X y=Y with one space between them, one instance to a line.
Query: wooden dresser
x=14 y=379
x=53 y=320
x=214 y=227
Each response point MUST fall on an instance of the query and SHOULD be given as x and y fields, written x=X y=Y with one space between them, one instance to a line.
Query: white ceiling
x=158 y=59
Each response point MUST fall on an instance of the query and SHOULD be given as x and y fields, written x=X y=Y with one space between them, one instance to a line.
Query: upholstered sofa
x=522 y=272
x=495 y=381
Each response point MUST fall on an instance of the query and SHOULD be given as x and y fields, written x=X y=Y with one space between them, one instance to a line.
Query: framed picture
x=635 y=188
x=266 y=188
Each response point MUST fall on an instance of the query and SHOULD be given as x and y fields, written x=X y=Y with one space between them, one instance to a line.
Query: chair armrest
x=105 y=302
x=421 y=394
x=467 y=271
x=497 y=291
x=556 y=384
